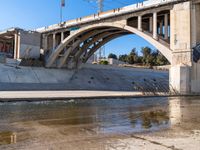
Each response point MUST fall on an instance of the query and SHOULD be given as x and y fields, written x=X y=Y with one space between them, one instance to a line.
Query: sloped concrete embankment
x=87 y=78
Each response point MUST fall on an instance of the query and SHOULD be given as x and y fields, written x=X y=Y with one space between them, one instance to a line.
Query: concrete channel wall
x=89 y=77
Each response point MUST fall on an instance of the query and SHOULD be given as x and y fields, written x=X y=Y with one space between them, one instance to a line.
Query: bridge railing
x=107 y=14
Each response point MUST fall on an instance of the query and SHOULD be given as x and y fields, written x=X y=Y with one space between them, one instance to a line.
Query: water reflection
x=175 y=111
x=153 y=118
x=81 y=118
x=7 y=137
x=184 y=112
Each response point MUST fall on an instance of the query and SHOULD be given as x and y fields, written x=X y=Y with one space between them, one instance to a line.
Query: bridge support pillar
x=195 y=75
x=140 y=23
x=54 y=40
x=184 y=35
x=155 y=26
x=180 y=78
x=45 y=43
x=166 y=26
x=180 y=43
x=151 y=24
x=161 y=28
x=16 y=45
x=62 y=36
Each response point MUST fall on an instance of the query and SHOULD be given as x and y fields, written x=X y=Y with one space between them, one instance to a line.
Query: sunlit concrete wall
x=112 y=61
x=180 y=41
x=29 y=44
x=185 y=34
x=195 y=75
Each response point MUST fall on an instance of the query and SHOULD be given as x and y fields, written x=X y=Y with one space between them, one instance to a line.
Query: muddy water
x=89 y=124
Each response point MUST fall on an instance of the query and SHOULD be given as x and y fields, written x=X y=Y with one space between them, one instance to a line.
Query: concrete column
x=151 y=24
x=4 y=43
x=45 y=42
x=195 y=28
x=180 y=43
x=166 y=26
x=180 y=34
x=184 y=73
x=62 y=36
x=140 y=23
x=197 y=18
x=161 y=28
x=17 y=46
x=54 y=40
x=155 y=34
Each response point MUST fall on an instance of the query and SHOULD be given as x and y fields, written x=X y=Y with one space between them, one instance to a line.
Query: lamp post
x=100 y=5
x=62 y=4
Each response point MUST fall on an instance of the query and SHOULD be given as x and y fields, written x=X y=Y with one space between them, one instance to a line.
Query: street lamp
x=100 y=4
x=62 y=4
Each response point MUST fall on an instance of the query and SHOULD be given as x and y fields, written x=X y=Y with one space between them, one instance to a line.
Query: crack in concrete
x=156 y=143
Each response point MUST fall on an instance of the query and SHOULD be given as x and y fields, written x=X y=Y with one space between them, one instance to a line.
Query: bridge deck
x=108 y=14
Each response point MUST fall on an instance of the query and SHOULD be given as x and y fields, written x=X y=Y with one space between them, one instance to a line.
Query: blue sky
x=31 y=14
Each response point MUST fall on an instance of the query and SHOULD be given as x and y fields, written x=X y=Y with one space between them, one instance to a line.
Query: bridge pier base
x=180 y=79
x=195 y=78
x=185 y=79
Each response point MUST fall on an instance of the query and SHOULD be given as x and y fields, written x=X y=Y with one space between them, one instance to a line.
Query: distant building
x=17 y=43
x=93 y=59
x=113 y=61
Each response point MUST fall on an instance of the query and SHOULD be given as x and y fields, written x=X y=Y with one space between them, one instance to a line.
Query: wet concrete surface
x=101 y=124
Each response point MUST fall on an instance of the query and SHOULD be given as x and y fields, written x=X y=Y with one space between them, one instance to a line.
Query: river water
x=89 y=124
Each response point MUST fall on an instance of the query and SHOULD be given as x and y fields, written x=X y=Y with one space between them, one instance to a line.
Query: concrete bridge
x=171 y=26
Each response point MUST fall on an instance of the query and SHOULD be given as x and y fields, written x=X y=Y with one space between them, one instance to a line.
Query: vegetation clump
x=103 y=62
x=32 y=62
x=147 y=57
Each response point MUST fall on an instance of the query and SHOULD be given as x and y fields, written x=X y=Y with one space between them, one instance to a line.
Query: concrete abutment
x=184 y=73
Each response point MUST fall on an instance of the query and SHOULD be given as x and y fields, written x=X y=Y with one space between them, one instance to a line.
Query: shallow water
x=36 y=124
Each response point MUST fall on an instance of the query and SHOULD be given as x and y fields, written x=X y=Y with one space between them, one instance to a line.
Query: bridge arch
x=116 y=30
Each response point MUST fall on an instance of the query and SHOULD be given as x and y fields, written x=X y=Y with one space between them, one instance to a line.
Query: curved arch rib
x=162 y=48
x=95 y=38
x=100 y=44
x=69 y=39
x=93 y=41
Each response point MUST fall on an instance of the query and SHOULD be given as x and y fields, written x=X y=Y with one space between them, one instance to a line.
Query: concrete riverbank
x=89 y=77
x=17 y=96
